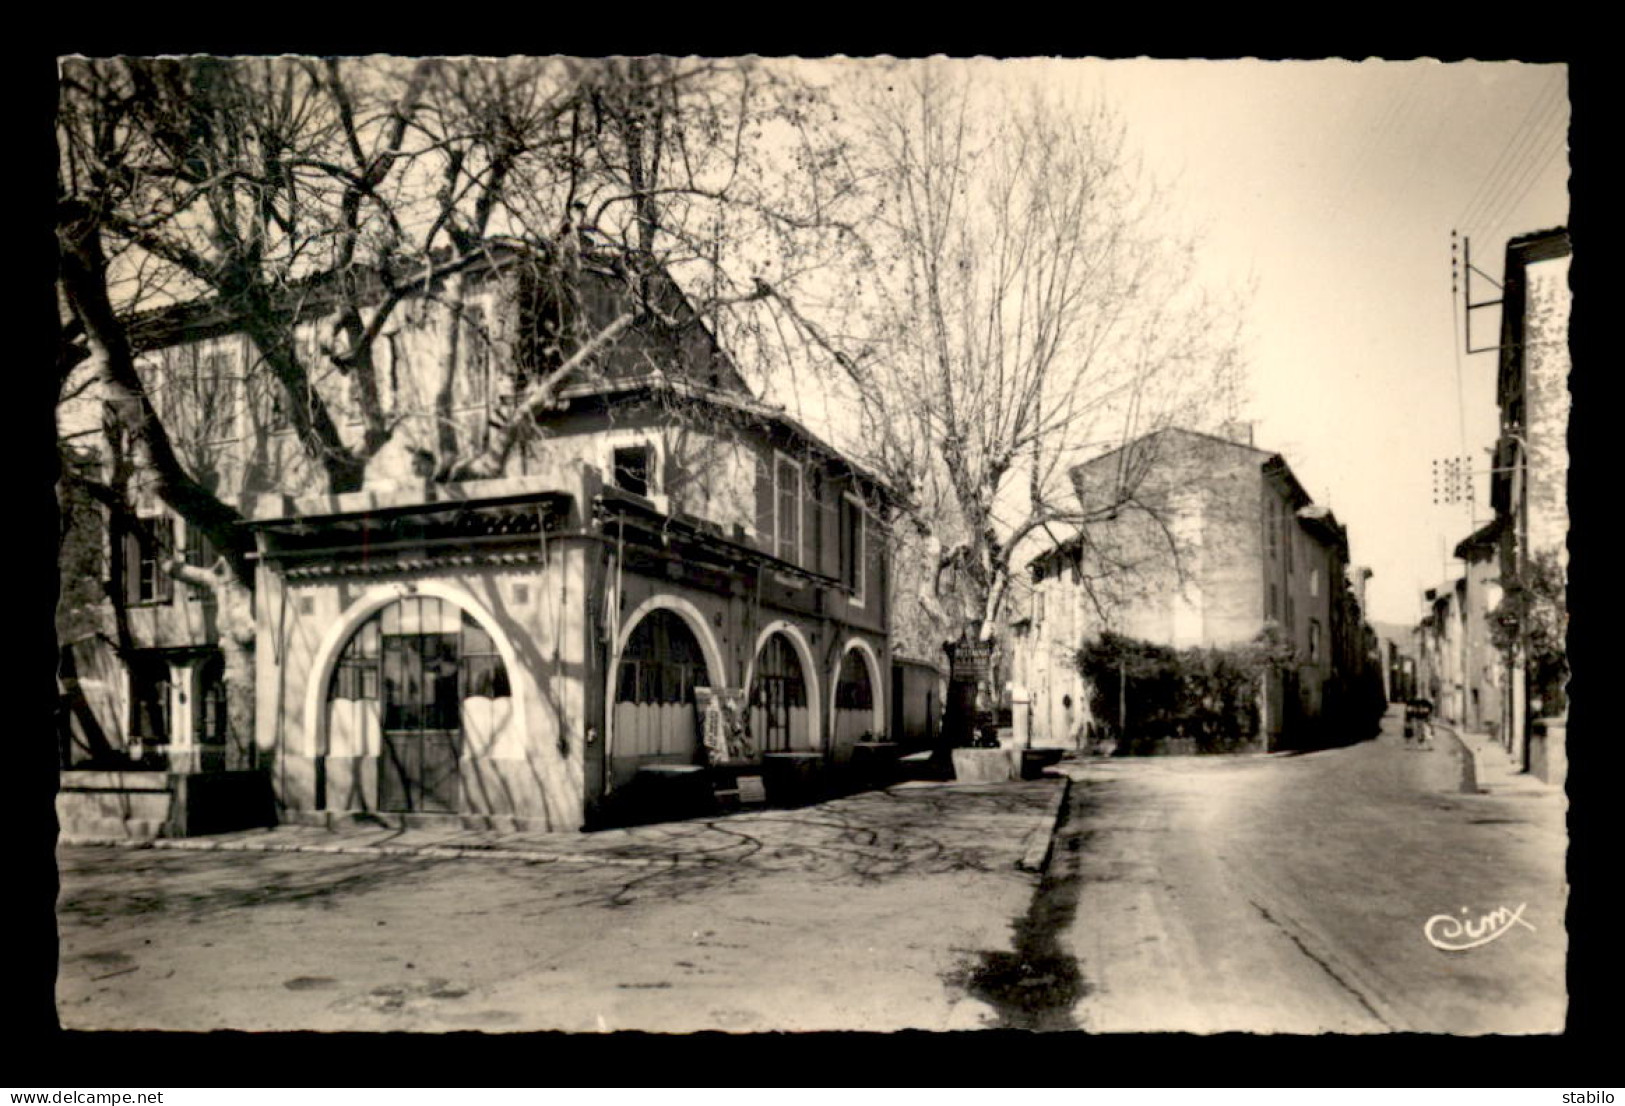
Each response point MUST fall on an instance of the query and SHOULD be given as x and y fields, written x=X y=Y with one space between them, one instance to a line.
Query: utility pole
x=1461 y=279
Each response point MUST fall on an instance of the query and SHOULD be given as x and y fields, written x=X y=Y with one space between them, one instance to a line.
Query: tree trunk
x=240 y=703
x=82 y=275
x=235 y=619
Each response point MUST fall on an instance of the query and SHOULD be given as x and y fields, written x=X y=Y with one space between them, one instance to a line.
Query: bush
x=1533 y=616
x=1204 y=699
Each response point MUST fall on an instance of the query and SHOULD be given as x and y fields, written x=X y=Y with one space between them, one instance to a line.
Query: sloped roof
x=1483 y=540
x=739 y=403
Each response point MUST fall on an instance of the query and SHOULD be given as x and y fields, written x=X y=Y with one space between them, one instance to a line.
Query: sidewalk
x=1009 y=824
x=1495 y=771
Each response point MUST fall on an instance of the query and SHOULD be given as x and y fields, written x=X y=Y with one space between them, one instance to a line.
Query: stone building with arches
x=530 y=651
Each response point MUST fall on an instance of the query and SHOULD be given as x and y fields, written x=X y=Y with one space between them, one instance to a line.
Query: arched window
x=662 y=662
x=654 y=720
x=854 y=702
x=418 y=659
x=853 y=691
x=778 y=698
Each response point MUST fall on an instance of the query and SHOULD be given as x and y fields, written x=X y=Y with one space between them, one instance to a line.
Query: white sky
x=1334 y=186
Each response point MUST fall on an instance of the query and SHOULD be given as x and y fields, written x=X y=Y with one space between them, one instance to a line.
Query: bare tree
x=270 y=190
x=1032 y=309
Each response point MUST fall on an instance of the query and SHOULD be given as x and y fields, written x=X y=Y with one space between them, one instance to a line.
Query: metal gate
x=778 y=699
x=422 y=716
x=418 y=659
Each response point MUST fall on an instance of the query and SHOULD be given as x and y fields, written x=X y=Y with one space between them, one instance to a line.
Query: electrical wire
x=1503 y=163
x=1532 y=176
x=1515 y=170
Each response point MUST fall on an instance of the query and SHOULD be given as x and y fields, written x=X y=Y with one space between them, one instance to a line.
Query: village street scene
x=788 y=545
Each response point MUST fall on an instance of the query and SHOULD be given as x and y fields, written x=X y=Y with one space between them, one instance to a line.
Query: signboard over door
x=969 y=661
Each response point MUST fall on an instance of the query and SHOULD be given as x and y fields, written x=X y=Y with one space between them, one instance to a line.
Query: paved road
x=1290 y=894
x=870 y=913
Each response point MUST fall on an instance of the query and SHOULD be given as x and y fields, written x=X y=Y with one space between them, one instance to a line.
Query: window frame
x=858 y=588
x=150 y=688
x=228 y=357
x=780 y=460
x=648 y=450
x=472 y=334
x=143 y=546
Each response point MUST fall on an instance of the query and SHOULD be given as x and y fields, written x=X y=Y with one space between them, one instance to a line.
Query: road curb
x=427 y=852
x=1468 y=759
x=1035 y=858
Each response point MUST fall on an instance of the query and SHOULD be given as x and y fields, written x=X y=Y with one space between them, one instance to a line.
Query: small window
x=633 y=465
x=148 y=547
x=1314 y=641
x=1314 y=582
x=1274 y=601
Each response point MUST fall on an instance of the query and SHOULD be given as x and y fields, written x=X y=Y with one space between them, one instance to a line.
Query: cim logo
x=1453 y=934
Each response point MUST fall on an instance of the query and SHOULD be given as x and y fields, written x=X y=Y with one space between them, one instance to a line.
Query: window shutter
x=132 y=563
x=163 y=551
x=764 y=503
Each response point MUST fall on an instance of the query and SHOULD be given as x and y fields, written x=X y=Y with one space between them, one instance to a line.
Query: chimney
x=1237 y=430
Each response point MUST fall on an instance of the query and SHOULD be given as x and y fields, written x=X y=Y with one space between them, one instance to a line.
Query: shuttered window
x=853 y=547
x=787 y=499
x=149 y=545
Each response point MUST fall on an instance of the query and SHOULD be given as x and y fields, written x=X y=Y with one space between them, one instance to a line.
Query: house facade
x=668 y=581
x=1214 y=541
x=1482 y=663
x=1397 y=645
x=1442 y=635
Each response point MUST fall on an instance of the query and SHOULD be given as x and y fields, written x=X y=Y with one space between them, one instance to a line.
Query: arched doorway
x=660 y=666
x=400 y=690
x=779 y=719
x=855 y=698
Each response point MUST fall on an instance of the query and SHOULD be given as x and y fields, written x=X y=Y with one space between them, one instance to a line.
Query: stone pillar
x=1021 y=716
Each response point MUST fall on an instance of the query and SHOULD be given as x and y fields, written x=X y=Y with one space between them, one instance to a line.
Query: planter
x=1034 y=762
x=793 y=779
x=1548 y=752
x=873 y=765
x=986 y=765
